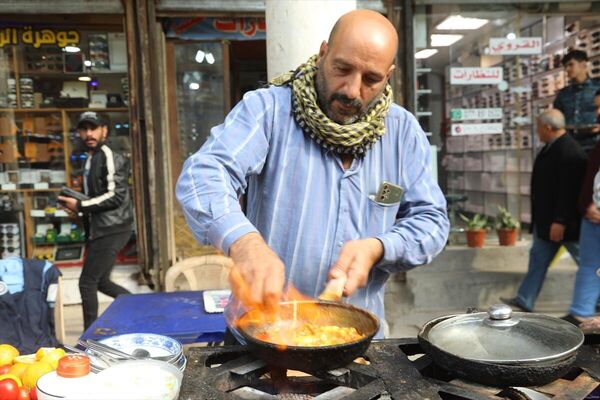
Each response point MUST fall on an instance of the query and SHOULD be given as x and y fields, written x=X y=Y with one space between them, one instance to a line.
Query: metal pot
x=310 y=359
x=502 y=348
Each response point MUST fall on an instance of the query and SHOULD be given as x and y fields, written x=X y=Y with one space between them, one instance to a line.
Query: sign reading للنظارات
x=467 y=114
x=38 y=37
x=476 y=129
x=509 y=47
x=475 y=76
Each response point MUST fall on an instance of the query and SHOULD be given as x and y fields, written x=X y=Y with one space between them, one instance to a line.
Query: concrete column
x=296 y=28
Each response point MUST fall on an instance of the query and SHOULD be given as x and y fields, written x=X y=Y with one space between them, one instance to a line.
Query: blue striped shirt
x=303 y=202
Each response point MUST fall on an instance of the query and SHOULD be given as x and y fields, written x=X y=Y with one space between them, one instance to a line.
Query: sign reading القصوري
x=38 y=37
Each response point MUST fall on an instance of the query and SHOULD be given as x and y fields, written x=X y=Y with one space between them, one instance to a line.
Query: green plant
x=477 y=223
x=505 y=220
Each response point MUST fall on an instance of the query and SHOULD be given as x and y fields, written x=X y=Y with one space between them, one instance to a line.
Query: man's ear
x=104 y=132
x=322 y=50
x=389 y=72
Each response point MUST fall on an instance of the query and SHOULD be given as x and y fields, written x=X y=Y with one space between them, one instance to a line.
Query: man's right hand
x=592 y=213
x=261 y=271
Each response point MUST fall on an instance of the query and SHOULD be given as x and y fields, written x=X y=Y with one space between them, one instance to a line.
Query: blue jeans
x=540 y=256
x=587 y=281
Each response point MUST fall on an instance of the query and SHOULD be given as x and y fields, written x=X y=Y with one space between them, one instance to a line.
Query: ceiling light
x=425 y=53
x=87 y=63
x=194 y=86
x=210 y=58
x=200 y=56
x=84 y=78
x=72 y=49
x=511 y=36
x=459 y=23
x=441 y=40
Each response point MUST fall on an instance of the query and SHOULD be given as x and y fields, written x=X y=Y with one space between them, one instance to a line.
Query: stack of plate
x=159 y=347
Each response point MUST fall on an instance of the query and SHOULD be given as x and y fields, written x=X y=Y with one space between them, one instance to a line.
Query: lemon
x=18 y=369
x=34 y=372
x=7 y=354
x=42 y=351
x=13 y=377
x=53 y=356
x=25 y=359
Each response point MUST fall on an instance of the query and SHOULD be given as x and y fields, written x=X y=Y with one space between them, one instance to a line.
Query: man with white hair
x=555 y=184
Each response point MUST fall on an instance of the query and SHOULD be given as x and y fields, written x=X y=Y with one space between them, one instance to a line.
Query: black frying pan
x=310 y=359
x=496 y=373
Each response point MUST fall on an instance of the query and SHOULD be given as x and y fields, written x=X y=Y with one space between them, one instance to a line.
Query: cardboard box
x=7 y=126
x=8 y=152
x=40 y=125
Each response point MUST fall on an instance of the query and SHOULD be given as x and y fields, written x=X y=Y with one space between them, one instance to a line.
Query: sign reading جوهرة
x=469 y=114
x=38 y=37
x=475 y=76
x=489 y=128
x=509 y=47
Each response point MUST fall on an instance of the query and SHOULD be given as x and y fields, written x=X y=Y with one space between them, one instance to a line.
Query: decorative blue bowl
x=157 y=345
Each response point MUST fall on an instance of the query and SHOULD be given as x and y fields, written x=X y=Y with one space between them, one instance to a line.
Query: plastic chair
x=199 y=273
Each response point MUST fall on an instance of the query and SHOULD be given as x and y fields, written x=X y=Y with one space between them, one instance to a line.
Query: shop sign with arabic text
x=38 y=37
x=475 y=76
x=509 y=47
x=241 y=28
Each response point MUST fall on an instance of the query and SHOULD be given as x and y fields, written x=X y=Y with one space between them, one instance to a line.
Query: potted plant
x=475 y=229
x=507 y=227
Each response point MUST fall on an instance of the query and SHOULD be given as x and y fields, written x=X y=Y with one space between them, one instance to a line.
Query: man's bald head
x=368 y=25
x=355 y=65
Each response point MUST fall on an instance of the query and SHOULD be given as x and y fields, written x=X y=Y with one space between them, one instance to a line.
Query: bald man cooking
x=336 y=176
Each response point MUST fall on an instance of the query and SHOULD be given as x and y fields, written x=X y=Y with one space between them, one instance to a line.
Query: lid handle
x=499 y=312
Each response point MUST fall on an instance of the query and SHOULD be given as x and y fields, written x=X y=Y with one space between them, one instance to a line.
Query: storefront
x=482 y=73
x=53 y=68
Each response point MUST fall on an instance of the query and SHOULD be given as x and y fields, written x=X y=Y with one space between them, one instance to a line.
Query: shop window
x=483 y=72
x=48 y=76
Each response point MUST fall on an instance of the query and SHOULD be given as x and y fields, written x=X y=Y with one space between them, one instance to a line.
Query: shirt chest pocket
x=379 y=217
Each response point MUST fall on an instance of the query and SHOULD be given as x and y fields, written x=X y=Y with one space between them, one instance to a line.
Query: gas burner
x=392 y=369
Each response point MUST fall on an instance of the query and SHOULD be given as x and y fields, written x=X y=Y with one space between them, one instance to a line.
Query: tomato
x=23 y=394
x=33 y=394
x=9 y=389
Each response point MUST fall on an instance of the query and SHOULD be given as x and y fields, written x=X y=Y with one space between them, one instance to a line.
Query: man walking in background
x=575 y=101
x=555 y=184
x=108 y=207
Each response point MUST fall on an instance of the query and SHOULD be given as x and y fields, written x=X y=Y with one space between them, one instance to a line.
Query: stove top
x=391 y=369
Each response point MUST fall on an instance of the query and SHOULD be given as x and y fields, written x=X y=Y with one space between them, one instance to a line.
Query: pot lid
x=502 y=336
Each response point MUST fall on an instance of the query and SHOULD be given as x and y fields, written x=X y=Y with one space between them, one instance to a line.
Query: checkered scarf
x=355 y=138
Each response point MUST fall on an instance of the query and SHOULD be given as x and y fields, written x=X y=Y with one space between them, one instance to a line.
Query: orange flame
x=292 y=319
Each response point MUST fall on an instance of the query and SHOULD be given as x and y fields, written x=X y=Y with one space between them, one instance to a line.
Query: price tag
x=41 y=185
x=9 y=186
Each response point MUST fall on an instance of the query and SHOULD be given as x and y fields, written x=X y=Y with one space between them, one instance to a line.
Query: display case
x=47 y=78
x=481 y=78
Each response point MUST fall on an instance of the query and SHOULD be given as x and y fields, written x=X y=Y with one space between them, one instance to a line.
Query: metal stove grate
x=397 y=370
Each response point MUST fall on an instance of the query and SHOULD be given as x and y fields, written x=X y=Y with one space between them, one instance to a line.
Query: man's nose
x=353 y=84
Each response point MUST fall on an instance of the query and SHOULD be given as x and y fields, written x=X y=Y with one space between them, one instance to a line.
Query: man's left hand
x=68 y=203
x=355 y=261
x=557 y=232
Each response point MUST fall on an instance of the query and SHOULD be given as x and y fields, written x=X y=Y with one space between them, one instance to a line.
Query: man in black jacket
x=555 y=183
x=108 y=207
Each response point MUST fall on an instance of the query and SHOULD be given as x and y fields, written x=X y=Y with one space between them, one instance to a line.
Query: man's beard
x=325 y=103
x=96 y=146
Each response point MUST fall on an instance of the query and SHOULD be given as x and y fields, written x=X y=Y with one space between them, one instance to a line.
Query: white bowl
x=139 y=380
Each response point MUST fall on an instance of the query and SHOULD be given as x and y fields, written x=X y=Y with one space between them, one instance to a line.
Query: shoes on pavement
x=571 y=319
x=514 y=303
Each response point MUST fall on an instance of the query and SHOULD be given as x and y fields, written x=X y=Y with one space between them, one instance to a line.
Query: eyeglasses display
x=41 y=97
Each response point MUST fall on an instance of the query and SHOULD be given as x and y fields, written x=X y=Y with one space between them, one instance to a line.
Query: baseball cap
x=91 y=117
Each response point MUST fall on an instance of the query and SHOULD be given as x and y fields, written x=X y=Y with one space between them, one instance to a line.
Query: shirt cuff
x=229 y=228
x=389 y=252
